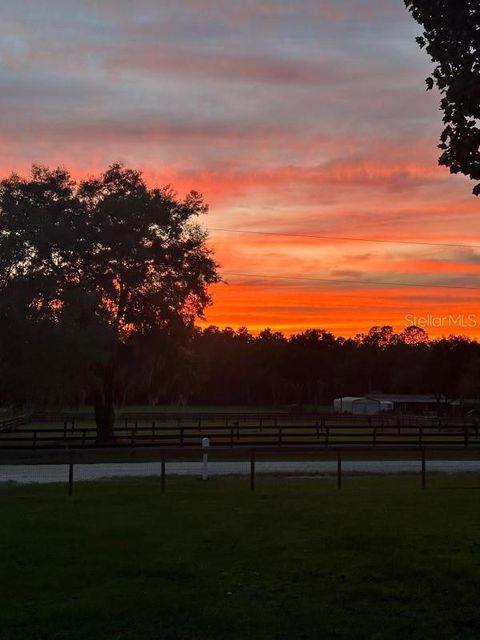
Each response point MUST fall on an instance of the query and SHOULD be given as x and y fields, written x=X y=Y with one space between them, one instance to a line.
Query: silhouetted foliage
x=92 y=278
x=452 y=39
x=227 y=367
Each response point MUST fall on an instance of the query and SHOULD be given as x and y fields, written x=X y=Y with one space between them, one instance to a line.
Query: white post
x=205 y=445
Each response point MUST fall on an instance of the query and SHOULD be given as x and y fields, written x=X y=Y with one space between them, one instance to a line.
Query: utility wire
x=346 y=238
x=360 y=282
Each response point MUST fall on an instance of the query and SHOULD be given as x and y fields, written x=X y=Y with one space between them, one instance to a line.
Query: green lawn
x=379 y=559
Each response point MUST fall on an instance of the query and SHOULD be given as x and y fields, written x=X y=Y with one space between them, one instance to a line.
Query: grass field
x=298 y=559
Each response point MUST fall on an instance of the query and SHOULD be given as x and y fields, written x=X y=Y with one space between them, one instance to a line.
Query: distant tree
x=449 y=359
x=224 y=366
x=413 y=335
x=310 y=364
x=381 y=337
x=469 y=383
x=108 y=254
x=452 y=39
x=269 y=354
x=409 y=358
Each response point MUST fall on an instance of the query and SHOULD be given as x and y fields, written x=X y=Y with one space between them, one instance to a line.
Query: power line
x=346 y=238
x=359 y=282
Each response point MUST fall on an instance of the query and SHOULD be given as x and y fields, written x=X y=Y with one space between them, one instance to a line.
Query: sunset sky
x=303 y=123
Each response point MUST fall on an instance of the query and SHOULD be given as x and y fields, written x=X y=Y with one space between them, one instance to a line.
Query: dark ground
x=379 y=559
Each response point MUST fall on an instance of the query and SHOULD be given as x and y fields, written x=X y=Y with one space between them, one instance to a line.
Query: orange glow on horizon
x=344 y=308
x=346 y=312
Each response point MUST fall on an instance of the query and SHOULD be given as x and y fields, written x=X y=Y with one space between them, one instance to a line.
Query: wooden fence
x=251 y=455
x=316 y=434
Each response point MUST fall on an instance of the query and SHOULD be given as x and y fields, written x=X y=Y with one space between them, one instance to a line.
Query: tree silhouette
x=313 y=367
x=110 y=254
x=452 y=39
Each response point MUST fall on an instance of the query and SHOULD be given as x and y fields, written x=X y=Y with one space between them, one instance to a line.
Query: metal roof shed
x=357 y=406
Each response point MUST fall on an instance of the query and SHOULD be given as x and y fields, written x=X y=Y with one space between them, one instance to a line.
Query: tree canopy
x=451 y=37
x=90 y=271
x=233 y=367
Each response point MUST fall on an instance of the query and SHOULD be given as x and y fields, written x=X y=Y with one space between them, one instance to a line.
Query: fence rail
x=316 y=435
x=11 y=424
x=254 y=418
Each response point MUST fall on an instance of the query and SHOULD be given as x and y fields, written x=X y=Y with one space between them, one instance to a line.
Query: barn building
x=361 y=406
x=408 y=403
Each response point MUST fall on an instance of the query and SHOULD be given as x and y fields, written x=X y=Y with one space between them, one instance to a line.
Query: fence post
x=163 y=473
x=424 y=470
x=252 y=470
x=205 y=446
x=339 y=470
x=70 y=475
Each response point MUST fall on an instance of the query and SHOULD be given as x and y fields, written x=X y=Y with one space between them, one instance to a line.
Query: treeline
x=223 y=366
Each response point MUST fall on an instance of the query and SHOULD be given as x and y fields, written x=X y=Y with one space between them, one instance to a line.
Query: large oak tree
x=90 y=271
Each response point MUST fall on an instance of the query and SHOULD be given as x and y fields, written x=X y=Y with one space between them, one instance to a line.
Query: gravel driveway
x=24 y=474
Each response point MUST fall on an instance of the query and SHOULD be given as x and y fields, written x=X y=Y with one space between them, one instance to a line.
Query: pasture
x=380 y=559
